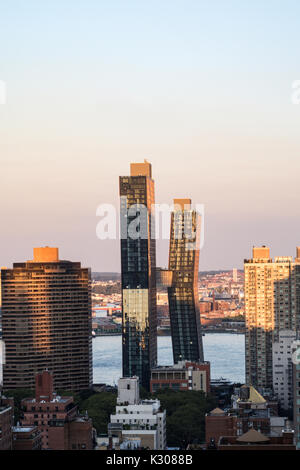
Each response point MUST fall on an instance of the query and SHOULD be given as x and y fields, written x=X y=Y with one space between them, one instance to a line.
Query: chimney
x=44 y=386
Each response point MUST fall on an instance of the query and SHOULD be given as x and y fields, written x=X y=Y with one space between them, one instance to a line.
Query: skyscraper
x=138 y=265
x=46 y=322
x=271 y=304
x=183 y=293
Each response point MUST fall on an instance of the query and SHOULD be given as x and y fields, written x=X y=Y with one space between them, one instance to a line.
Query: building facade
x=26 y=438
x=249 y=410
x=271 y=304
x=183 y=293
x=6 y=422
x=138 y=266
x=182 y=376
x=254 y=440
x=296 y=390
x=138 y=419
x=46 y=322
x=283 y=368
x=219 y=423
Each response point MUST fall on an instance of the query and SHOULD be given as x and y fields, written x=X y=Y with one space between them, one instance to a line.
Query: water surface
x=225 y=351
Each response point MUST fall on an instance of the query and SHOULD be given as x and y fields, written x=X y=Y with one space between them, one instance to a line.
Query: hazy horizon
x=201 y=89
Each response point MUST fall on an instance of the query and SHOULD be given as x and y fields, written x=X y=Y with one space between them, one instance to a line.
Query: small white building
x=128 y=391
x=283 y=368
x=139 y=418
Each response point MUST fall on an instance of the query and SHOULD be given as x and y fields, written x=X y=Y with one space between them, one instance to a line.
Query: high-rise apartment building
x=283 y=368
x=138 y=265
x=46 y=322
x=272 y=290
x=183 y=293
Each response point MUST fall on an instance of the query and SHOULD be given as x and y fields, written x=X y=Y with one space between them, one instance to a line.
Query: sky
x=202 y=89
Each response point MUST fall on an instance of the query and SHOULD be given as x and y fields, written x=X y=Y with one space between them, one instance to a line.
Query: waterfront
x=225 y=351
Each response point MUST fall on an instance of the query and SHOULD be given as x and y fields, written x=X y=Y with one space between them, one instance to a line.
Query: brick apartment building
x=183 y=376
x=219 y=423
x=6 y=421
x=57 y=418
x=26 y=438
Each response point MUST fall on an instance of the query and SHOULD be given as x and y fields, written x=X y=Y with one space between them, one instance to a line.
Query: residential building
x=138 y=266
x=56 y=417
x=138 y=419
x=271 y=304
x=182 y=376
x=47 y=322
x=115 y=441
x=296 y=390
x=283 y=368
x=254 y=440
x=183 y=293
x=26 y=438
x=128 y=391
x=278 y=424
x=249 y=410
x=6 y=422
x=219 y=423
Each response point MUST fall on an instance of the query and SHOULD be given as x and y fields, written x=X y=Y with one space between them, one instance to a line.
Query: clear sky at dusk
x=202 y=89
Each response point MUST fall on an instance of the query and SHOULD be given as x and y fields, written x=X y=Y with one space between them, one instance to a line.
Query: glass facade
x=183 y=293
x=138 y=265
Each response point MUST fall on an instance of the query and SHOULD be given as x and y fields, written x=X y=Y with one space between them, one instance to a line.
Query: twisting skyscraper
x=138 y=263
x=183 y=293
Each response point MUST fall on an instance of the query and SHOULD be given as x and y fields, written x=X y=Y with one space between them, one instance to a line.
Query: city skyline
x=150 y=247
x=218 y=110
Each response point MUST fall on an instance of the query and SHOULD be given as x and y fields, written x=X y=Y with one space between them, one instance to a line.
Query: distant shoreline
x=169 y=334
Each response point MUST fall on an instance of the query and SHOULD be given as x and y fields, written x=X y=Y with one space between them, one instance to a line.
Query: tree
x=99 y=407
x=18 y=395
x=185 y=415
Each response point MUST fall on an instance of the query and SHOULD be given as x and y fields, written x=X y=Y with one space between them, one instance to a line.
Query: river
x=225 y=351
